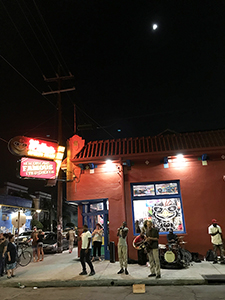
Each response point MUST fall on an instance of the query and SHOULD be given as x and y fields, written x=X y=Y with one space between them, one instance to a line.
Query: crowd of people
x=148 y=236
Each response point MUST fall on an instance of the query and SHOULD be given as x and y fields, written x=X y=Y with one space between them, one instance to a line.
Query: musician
x=217 y=240
x=122 y=247
x=172 y=237
x=139 y=243
x=152 y=235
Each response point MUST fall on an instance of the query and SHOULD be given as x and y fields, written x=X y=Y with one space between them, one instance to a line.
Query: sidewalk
x=62 y=270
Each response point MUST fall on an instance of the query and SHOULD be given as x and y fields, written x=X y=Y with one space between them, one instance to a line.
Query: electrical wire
x=35 y=34
x=4 y=140
x=26 y=80
x=52 y=39
x=21 y=37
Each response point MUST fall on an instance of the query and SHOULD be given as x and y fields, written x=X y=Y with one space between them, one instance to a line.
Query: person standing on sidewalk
x=34 y=239
x=217 y=240
x=71 y=236
x=122 y=247
x=11 y=257
x=152 y=235
x=85 y=252
x=40 y=251
x=97 y=241
x=3 y=248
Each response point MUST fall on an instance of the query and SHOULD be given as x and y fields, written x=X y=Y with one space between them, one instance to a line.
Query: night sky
x=127 y=76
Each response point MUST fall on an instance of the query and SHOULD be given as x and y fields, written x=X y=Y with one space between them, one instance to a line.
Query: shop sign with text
x=37 y=168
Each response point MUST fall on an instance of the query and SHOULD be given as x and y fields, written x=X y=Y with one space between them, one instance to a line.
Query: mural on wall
x=164 y=213
x=160 y=203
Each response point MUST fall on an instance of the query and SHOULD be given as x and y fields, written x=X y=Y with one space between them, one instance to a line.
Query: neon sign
x=25 y=146
x=40 y=149
x=31 y=147
x=37 y=168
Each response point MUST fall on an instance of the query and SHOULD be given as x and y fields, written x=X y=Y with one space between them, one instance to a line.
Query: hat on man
x=214 y=221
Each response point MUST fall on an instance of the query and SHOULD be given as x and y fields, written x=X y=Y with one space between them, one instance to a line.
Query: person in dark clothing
x=172 y=237
x=3 y=248
x=11 y=257
x=40 y=250
x=139 y=245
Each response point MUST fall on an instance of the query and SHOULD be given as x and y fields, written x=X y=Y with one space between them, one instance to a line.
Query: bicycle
x=23 y=257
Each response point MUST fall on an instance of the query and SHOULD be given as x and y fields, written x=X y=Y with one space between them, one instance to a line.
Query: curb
x=106 y=282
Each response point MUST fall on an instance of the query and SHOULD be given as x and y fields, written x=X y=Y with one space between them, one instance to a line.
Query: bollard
x=112 y=252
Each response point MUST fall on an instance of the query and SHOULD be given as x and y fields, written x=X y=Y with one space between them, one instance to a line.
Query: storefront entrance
x=93 y=212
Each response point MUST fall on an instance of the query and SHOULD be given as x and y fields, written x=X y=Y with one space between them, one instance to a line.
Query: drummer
x=172 y=238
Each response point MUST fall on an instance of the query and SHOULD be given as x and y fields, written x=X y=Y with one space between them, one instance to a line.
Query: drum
x=170 y=256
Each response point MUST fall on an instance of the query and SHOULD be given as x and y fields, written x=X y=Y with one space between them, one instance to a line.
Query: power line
x=26 y=79
x=21 y=37
x=52 y=39
x=35 y=35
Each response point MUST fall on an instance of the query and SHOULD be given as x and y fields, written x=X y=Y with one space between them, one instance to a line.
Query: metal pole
x=60 y=191
x=18 y=227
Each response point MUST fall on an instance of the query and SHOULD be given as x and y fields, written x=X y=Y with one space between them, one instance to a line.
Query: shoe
x=158 y=276
x=92 y=273
x=126 y=272
x=83 y=273
x=99 y=259
x=215 y=262
x=151 y=275
x=120 y=271
x=92 y=259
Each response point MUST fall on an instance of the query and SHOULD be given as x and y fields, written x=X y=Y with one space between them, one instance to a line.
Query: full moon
x=155 y=26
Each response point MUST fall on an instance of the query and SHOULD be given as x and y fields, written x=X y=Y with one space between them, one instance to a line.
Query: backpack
x=67 y=236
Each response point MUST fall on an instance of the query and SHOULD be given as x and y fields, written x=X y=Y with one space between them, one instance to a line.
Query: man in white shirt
x=85 y=252
x=217 y=240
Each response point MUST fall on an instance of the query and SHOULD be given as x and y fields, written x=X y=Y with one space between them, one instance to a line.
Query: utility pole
x=59 y=80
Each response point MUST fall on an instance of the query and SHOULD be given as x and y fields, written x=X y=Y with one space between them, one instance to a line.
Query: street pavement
x=62 y=270
x=188 y=292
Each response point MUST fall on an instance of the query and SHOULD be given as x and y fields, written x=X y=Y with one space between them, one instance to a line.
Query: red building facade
x=176 y=180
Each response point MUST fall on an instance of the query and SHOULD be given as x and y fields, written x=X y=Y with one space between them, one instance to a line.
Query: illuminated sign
x=37 y=168
x=24 y=146
x=40 y=149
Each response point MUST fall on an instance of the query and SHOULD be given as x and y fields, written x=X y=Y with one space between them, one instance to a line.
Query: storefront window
x=164 y=208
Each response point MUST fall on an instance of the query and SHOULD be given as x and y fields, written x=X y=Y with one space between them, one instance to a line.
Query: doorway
x=96 y=211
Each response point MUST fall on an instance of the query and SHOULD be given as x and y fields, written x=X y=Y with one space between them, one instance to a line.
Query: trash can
x=112 y=252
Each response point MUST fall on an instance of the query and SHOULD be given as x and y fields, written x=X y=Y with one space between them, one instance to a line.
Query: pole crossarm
x=58 y=91
x=58 y=78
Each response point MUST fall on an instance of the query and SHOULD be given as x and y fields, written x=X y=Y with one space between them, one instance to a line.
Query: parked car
x=24 y=237
x=50 y=243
